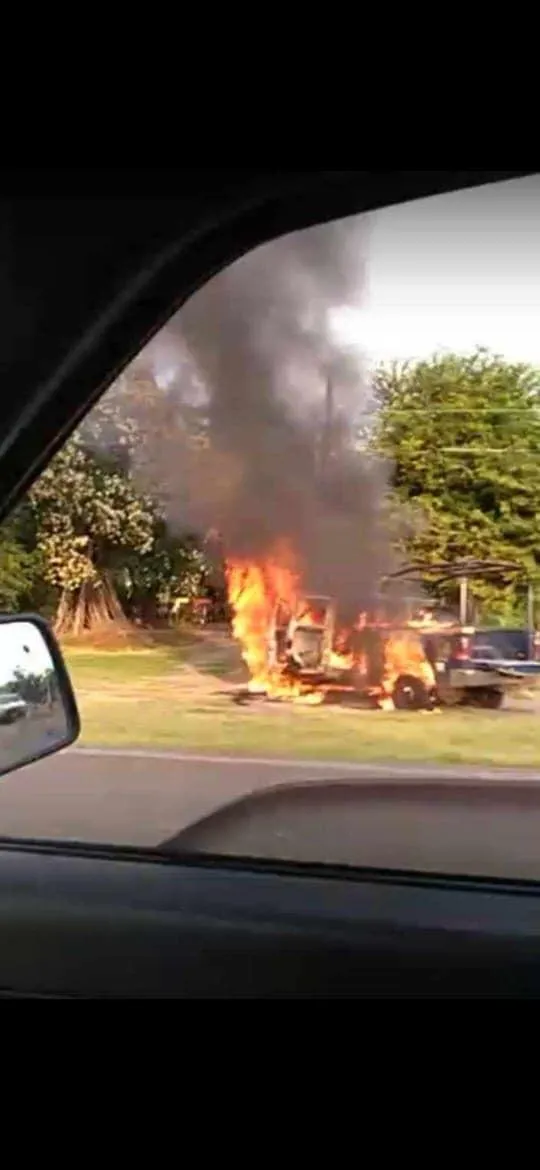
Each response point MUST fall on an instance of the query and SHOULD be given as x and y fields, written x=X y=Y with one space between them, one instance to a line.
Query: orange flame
x=405 y=655
x=256 y=589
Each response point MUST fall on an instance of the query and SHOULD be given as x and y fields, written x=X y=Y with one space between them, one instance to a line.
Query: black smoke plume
x=285 y=401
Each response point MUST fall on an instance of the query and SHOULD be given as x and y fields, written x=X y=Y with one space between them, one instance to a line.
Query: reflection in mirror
x=37 y=711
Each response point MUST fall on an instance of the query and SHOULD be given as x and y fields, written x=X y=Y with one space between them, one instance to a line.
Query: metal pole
x=328 y=425
x=463 y=601
x=531 y=617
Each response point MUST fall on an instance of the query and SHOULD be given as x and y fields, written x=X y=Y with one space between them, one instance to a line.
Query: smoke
x=285 y=400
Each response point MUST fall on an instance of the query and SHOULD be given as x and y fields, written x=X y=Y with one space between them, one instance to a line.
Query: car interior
x=218 y=911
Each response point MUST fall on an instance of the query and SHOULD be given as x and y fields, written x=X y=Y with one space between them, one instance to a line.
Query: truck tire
x=411 y=694
x=490 y=699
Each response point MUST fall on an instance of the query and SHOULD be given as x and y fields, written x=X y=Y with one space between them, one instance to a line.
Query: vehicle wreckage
x=431 y=660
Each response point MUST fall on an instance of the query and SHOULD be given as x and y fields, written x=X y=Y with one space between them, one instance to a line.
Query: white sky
x=13 y=638
x=449 y=273
x=453 y=272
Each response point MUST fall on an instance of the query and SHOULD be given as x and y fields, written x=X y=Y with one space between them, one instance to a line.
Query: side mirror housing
x=38 y=711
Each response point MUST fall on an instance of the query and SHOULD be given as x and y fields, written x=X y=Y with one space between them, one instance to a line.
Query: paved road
x=452 y=819
x=143 y=798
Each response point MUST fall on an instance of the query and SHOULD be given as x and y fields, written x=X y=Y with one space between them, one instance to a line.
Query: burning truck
x=297 y=647
x=384 y=663
x=285 y=471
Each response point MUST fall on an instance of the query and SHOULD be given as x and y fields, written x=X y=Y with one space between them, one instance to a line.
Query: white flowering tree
x=89 y=515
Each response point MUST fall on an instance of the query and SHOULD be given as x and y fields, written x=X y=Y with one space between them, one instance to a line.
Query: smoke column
x=261 y=340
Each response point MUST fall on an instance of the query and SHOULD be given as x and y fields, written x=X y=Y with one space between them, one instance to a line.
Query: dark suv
x=479 y=666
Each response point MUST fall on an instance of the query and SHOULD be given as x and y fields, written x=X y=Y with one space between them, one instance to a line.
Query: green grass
x=91 y=667
x=163 y=698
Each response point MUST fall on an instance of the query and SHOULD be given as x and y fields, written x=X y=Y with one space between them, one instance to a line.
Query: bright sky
x=449 y=273
x=453 y=272
x=14 y=637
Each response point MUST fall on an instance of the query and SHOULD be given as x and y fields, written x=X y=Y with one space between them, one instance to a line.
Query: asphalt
x=137 y=797
x=450 y=819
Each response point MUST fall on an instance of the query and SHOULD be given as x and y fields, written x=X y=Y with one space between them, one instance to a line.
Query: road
x=451 y=820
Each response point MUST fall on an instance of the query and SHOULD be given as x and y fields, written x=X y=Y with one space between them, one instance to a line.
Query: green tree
x=34 y=688
x=151 y=586
x=98 y=511
x=21 y=568
x=154 y=434
x=89 y=514
x=16 y=573
x=463 y=436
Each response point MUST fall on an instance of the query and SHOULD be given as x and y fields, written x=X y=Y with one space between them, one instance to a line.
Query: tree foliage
x=98 y=512
x=88 y=514
x=17 y=573
x=152 y=433
x=463 y=434
x=151 y=586
x=34 y=688
x=87 y=510
x=21 y=567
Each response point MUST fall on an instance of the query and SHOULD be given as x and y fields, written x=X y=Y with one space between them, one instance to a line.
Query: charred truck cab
x=301 y=642
x=308 y=645
x=309 y=637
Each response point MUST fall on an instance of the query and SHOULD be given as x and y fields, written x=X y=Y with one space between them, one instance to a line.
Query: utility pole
x=328 y=428
x=531 y=617
x=463 y=601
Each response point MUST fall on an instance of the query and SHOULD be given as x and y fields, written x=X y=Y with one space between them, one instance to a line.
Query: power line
x=460 y=410
x=486 y=451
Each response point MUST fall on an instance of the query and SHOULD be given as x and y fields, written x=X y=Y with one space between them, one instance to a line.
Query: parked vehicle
x=479 y=667
x=476 y=665
x=12 y=708
x=506 y=644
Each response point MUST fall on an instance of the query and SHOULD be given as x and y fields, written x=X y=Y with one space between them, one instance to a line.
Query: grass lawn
x=179 y=695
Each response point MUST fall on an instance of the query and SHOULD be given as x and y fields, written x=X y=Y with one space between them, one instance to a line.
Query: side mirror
x=38 y=712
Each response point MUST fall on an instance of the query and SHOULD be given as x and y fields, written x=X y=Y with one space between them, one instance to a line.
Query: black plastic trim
x=75 y=927
x=132 y=855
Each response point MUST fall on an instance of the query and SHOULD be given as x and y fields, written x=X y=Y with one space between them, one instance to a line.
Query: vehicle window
x=482 y=650
x=297 y=542
x=503 y=644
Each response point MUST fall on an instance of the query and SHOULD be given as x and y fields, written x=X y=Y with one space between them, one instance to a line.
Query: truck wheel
x=411 y=694
x=491 y=699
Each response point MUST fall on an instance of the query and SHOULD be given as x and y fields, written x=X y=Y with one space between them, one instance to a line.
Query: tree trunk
x=93 y=608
